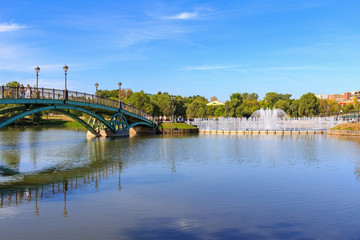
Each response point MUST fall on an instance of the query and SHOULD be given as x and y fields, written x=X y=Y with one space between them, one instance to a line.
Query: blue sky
x=211 y=48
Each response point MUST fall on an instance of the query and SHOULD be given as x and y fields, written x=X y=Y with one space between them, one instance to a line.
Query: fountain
x=267 y=120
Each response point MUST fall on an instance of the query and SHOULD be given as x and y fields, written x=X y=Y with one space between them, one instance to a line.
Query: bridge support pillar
x=109 y=133
x=141 y=130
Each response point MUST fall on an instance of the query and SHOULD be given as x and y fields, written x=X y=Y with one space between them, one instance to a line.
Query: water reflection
x=189 y=187
x=28 y=191
x=59 y=168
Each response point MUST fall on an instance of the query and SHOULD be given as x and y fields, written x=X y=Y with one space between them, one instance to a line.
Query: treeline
x=239 y=104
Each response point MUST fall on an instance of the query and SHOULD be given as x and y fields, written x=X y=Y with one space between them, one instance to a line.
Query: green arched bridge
x=107 y=117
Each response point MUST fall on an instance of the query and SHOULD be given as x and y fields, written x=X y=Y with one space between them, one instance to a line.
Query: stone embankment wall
x=141 y=130
x=178 y=131
x=343 y=132
x=263 y=132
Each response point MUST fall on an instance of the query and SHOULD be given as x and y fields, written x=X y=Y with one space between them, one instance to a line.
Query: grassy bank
x=347 y=127
x=58 y=121
x=175 y=125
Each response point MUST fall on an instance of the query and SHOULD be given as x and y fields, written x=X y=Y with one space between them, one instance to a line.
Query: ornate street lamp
x=96 y=86
x=37 y=70
x=66 y=69
x=120 y=95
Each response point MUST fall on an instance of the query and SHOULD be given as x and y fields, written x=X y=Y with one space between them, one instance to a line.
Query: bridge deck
x=46 y=96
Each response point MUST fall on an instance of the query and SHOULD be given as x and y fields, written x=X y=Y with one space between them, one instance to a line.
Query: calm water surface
x=186 y=187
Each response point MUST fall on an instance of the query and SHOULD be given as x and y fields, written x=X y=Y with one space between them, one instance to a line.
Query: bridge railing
x=58 y=94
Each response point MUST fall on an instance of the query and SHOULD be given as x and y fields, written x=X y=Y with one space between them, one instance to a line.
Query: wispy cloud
x=183 y=16
x=203 y=68
x=287 y=68
x=5 y=27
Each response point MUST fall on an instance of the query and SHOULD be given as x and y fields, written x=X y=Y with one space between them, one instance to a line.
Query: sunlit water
x=186 y=187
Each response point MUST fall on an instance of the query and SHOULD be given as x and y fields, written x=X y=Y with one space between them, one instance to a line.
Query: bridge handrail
x=60 y=94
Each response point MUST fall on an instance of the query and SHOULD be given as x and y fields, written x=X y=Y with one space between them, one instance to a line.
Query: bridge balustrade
x=58 y=94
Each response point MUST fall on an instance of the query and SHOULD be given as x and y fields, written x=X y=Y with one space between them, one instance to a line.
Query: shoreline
x=265 y=132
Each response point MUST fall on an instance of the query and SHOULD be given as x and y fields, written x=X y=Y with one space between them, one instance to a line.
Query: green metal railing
x=57 y=94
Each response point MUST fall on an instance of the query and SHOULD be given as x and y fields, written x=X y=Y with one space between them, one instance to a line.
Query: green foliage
x=162 y=101
x=197 y=109
x=271 y=98
x=12 y=84
x=111 y=94
x=219 y=111
x=141 y=101
x=348 y=107
x=308 y=105
x=36 y=117
x=241 y=105
x=347 y=127
x=175 y=125
x=329 y=107
x=114 y=94
x=294 y=108
x=180 y=106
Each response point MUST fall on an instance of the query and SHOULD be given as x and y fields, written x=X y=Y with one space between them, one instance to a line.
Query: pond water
x=178 y=187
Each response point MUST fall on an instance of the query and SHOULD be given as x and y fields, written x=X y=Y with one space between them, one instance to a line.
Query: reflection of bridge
x=29 y=189
x=107 y=117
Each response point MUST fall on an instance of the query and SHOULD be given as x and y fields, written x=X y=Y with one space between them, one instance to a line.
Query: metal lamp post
x=37 y=70
x=120 y=95
x=66 y=69
x=172 y=107
x=96 y=86
x=96 y=93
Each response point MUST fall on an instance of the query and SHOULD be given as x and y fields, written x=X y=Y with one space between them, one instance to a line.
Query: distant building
x=320 y=96
x=336 y=97
x=347 y=96
x=215 y=103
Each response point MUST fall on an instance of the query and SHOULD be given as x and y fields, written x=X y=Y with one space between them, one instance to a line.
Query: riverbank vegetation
x=347 y=127
x=175 y=126
x=238 y=105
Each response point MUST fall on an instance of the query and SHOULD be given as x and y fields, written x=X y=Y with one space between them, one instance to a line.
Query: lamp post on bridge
x=120 y=95
x=96 y=93
x=66 y=93
x=96 y=86
x=37 y=70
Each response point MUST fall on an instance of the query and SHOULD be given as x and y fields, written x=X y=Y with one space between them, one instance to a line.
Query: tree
x=213 y=99
x=308 y=105
x=282 y=104
x=294 y=108
x=348 y=107
x=163 y=102
x=272 y=97
x=327 y=107
x=219 y=111
x=12 y=84
x=211 y=110
x=180 y=106
x=142 y=101
x=197 y=109
x=334 y=107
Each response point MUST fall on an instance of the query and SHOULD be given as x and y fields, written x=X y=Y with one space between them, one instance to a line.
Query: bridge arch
x=21 y=115
x=138 y=124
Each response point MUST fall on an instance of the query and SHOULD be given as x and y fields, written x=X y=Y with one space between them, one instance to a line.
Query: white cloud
x=5 y=27
x=183 y=16
x=288 y=68
x=201 y=68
